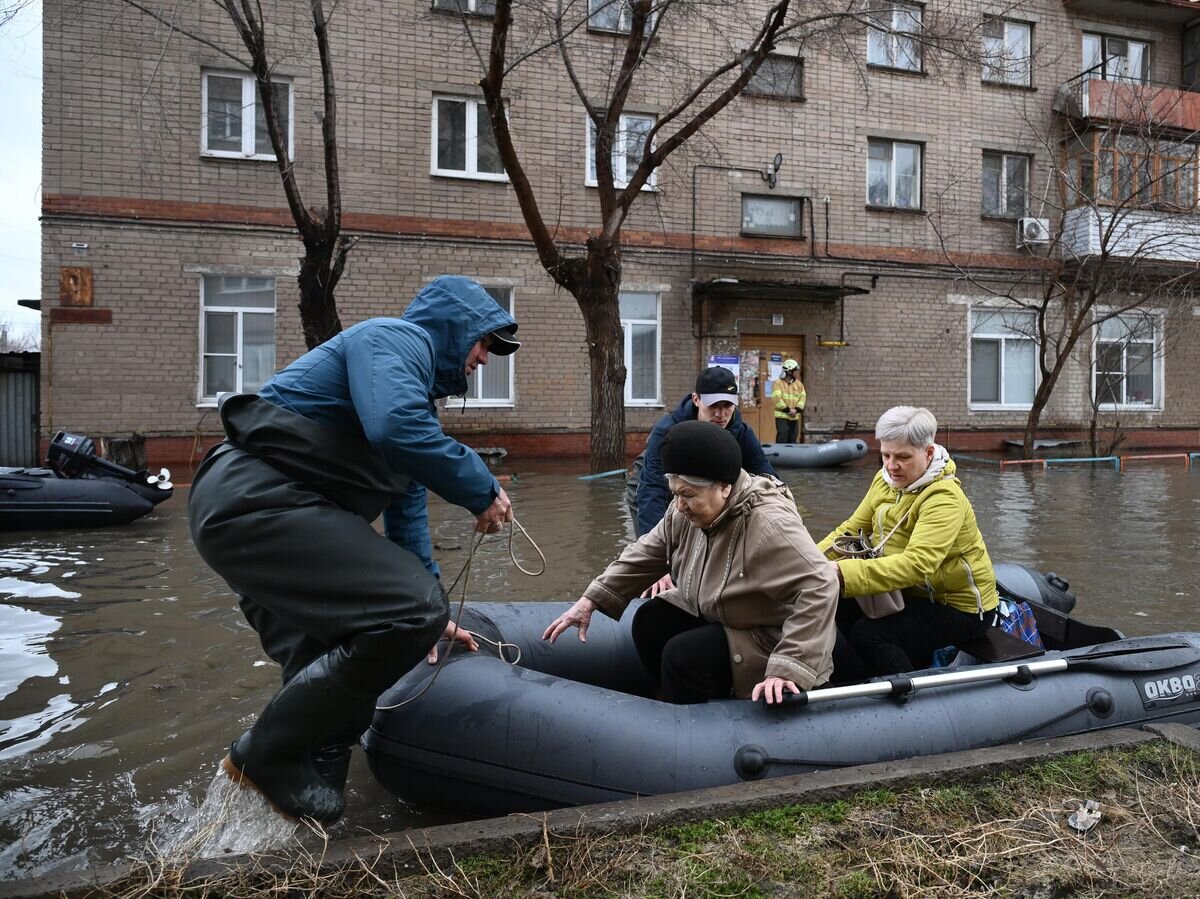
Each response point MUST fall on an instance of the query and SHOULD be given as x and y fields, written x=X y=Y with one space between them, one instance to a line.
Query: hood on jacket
x=751 y=491
x=455 y=312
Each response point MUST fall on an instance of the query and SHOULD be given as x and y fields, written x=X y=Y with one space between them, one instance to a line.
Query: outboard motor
x=1022 y=583
x=74 y=456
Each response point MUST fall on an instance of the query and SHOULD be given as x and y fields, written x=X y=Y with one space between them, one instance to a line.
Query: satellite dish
x=162 y=480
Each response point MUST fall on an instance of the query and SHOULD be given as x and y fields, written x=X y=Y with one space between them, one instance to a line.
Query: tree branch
x=493 y=94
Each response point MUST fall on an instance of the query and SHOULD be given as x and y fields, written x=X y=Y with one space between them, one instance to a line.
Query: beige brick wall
x=122 y=120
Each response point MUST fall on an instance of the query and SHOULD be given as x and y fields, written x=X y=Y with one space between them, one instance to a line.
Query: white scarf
x=932 y=473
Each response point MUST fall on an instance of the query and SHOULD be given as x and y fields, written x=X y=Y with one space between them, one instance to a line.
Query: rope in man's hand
x=464 y=576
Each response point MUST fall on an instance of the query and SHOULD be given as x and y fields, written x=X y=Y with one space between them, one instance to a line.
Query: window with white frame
x=1003 y=367
x=1126 y=361
x=779 y=75
x=492 y=384
x=1116 y=58
x=233 y=121
x=894 y=174
x=463 y=143
x=773 y=216
x=615 y=16
x=237 y=334
x=1005 y=184
x=629 y=144
x=475 y=7
x=892 y=37
x=639 y=325
x=1007 y=52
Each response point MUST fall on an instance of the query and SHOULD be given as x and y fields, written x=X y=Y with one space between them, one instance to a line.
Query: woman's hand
x=579 y=615
x=453 y=632
x=773 y=688
x=662 y=585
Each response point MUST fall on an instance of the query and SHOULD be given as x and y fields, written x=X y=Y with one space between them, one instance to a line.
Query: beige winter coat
x=755 y=570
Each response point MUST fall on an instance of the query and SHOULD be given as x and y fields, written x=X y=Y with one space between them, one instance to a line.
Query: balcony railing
x=1154 y=105
x=1147 y=235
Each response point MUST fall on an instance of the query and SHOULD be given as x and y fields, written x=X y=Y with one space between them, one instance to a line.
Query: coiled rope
x=464 y=576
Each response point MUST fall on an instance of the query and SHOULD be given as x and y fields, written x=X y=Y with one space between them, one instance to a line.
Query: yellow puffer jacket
x=936 y=553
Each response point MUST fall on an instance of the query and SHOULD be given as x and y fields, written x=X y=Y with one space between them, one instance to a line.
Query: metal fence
x=19 y=410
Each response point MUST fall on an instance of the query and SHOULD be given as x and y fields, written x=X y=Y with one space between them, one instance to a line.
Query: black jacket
x=652 y=492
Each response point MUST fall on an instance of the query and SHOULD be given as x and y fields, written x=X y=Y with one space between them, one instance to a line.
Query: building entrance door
x=762 y=358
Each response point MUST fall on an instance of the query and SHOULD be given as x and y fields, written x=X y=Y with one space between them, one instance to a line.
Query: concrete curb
x=409 y=852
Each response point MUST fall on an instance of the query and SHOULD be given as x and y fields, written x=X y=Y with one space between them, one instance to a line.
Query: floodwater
x=126 y=667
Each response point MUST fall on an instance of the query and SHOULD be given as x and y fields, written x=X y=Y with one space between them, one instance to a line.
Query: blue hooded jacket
x=381 y=378
x=653 y=495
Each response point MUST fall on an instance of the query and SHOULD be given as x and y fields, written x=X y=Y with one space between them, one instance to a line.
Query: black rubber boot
x=276 y=756
x=332 y=762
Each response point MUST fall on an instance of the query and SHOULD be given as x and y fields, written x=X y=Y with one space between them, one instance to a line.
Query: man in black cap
x=715 y=399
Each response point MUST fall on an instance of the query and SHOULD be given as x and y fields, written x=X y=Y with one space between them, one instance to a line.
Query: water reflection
x=126 y=667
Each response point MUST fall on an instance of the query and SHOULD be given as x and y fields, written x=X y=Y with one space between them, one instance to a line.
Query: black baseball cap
x=504 y=342
x=717 y=385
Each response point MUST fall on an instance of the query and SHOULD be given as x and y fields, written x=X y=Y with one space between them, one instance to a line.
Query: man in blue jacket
x=715 y=399
x=283 y=511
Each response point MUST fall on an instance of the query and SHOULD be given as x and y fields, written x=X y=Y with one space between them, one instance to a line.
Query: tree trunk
x=320 y=269
x=1040 y=399
x=598 y=300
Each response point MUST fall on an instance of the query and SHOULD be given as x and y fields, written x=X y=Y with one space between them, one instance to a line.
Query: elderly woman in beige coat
x=752 y=611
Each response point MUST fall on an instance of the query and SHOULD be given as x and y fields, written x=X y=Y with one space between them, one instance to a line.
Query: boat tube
x=814 y=455
x=78 y=490
x=530 y=726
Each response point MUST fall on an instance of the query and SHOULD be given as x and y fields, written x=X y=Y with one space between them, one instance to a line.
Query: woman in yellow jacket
x=933 y=552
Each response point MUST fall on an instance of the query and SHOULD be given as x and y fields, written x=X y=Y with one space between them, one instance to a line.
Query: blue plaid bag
x=1017 y=618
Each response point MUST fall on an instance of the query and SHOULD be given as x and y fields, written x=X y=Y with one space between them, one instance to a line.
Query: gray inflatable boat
x=572 y=723
x=814 y=455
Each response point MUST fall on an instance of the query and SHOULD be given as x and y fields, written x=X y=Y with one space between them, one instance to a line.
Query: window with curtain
x=1116 y=58
x=1003 y=365
x=1005 y=184
x=463 y=143
x=640 y=328
x=234 y=121
x=1125 y=362
x=893 y=174
x=1007 y=52
x=629 y=144
x=892 y=36
x=237 y=334
x=1111 y=167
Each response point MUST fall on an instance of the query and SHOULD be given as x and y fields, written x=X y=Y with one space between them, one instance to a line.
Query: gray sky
x=20 y=167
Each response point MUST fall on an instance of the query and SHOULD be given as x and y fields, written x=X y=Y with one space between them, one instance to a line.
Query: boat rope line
x=1029 y=731
x=464 y=575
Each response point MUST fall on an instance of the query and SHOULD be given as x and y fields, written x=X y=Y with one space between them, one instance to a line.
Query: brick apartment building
x=169 y=259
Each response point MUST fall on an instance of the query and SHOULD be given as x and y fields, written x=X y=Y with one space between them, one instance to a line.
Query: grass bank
x=1003 y=835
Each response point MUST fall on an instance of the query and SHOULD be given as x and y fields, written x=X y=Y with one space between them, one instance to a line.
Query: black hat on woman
x=701 y=449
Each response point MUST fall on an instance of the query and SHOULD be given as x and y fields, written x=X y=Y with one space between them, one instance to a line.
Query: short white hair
x=907 y=424
x=692 y=479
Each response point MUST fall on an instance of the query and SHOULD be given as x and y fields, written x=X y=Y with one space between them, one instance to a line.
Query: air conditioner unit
x=1032 y=231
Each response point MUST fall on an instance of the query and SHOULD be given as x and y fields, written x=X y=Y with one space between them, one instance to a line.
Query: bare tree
x=17 y=339
x=1121 y=261
x=320 y=227
x=702 y=88
x=10 y=9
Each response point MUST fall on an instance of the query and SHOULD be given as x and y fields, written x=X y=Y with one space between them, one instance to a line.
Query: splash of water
x=232 y=818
